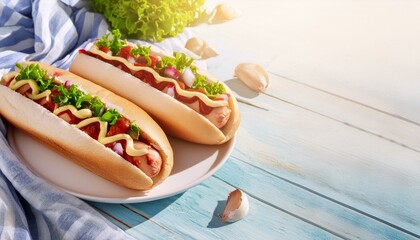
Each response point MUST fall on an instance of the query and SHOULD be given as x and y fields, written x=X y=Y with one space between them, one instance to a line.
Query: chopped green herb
x=71 y=96
x=112 y=41
x=97 y=107
x=34 y=72
x=211 y=89
x=143 y=51
x=179 y=60
x=111 y=116
x=134 y=131
x=77 y=98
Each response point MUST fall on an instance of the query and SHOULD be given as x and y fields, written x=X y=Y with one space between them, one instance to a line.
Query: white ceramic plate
x=193 y=163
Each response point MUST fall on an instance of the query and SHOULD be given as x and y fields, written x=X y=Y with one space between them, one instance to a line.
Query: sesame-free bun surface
x=78 y=146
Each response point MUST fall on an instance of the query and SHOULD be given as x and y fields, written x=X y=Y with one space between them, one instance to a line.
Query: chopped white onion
x=171 y=91
x=188 y=77
x=131 y=60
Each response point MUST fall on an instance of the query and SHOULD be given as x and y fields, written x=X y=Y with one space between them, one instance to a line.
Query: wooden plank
x=108 y=213
x=126 y=219
x=354 y=167
x=391 y=128
x=340 y=161
x=195 y=215
x=375 y=121
x=349 y=48
x=306 y=204
x=118 y=214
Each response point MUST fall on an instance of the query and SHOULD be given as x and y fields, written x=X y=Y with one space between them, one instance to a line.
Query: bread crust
x=78 y=146
x=174 y=117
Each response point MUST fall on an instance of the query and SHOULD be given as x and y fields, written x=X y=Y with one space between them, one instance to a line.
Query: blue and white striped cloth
x=45 y=30
x=48 y=31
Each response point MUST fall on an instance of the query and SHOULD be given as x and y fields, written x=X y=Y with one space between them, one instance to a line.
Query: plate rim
x=134 y=199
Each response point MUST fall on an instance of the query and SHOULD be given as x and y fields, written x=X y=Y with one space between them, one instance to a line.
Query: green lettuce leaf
x=34 y=72
x=149 y=19
x=111 y=116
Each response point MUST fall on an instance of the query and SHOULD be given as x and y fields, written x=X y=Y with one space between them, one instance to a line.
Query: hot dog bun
x=78 y=146
x=174 y=117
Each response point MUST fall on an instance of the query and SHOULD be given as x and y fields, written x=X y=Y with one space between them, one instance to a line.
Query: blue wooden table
x=331 y=150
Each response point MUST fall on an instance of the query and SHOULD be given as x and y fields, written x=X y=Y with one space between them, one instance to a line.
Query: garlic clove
x=254 y=76
x=209 y=52
x=195 y=45
x=201 y=48
x=223 y=13
x=237 y=206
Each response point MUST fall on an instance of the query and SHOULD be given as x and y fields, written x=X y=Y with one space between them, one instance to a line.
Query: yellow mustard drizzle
x=35 y=95
x=102 y=138
x=85 y=114
x=81 y=114
x=45 y=93
x=17 y=84
x=180 y=91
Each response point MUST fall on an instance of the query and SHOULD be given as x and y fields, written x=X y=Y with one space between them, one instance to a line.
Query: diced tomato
x=125 y=52
x=155 y=61
x=142 y=61
x=121 y=126
x=104 y=49
x=92 y=130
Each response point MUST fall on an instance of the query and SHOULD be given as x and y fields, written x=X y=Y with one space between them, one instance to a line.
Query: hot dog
x=186 y=101
x=100 y=131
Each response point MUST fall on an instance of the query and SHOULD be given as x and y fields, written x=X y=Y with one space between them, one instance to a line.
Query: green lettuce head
x=149 y=20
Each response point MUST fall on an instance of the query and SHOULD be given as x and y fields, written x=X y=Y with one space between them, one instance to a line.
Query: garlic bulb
x=254 y=76
x=201 y=48
x=223 y=13
x=237 y=206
